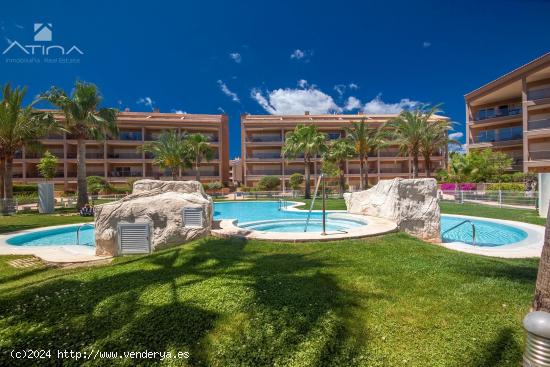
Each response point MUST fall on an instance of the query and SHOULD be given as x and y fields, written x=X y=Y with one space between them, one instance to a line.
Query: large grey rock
x=159 y=203
x=411 y=203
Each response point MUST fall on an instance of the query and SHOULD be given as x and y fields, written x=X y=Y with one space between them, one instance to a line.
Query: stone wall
x=411 y=203
x=159 y=203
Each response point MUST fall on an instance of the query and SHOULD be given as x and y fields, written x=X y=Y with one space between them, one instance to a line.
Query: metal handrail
x=313 y=201
x=461 y=223
x=78 y=231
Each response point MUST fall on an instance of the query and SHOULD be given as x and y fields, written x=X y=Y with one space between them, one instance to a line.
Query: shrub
x=97 y=184
x=295 y=180
x=47 y=165
x=25 y=189
x=463 y=187
x=244 y=189
x=269 y=183
x=506 y=186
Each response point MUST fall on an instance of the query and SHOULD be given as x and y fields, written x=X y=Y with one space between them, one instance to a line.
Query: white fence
x=500 y=198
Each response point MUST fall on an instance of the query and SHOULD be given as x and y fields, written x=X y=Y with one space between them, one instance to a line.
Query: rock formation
x=159 y=203
x=411 y=203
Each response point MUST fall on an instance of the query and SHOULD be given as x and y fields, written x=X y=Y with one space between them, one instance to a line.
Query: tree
x=541 y=301
x=19 y=127
x=434 y=139
x=170 y=151
x=408 y=130
x=365 y=139
x=97 y=184
x=47 y=165
x=338 y=153
x=295 y=180
x=84 y=120
x=268 y=183
x=306 y=140
x=198 y=149
x=489 y=165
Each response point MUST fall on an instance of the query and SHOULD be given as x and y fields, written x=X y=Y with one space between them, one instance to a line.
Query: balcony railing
x=265 y=155
x=538 y=94
x=125 y=174
x=94 y=155
x=491 y=113
x=269 y=172
x=538 y=124
x=264 y=138
x=125 y=155
x=393 y=170
x=539 y=155
x=88 y=173
x=503 y=134
x=130 y=135
x=387 y=153
x=334 y=136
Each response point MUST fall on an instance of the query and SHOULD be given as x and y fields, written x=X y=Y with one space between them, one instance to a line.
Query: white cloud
x=235 y=56
x=353 y=86
x=457 y=148
x=302 y=83
x=173 y=110
x=147 y=101
x=377 y=106
x=295 y=101
x=221 y=110
x=456 y=135
x=426 y=44
x=352 y=103
x=340 y=89
x=303 y=55
x=225 y=89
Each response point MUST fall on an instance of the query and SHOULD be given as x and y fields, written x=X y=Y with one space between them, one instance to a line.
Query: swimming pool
x=488 y=233
x=61 y=236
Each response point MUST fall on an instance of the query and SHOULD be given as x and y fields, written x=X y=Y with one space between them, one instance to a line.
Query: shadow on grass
x=503 y=350
x=293 y=310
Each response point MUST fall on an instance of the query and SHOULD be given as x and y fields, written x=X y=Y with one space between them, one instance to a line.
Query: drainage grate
x=133 y=238
x=192 y=217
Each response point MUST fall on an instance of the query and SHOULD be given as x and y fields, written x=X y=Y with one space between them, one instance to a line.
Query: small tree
x=47 y=165
x=97 y=184
x=268 y=183
x=295 y=180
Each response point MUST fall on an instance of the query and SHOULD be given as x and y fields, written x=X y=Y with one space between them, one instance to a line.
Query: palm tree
x=83 y=120
x=364 y=138
x=434 y=139
x=19 y=127
x=198 y=148
x=306 y=140
x=408 y=130
x=170 y=151
x=339 y=152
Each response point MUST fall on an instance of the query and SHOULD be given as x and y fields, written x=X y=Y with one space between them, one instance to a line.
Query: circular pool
x=81 y=234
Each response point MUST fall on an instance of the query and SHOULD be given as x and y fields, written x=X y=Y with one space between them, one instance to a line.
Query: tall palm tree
x=364 y=138
x=306 y=140
x=19 y=127
x=434 y=139
x=408 y=130
x=84 y=120
x=198 y=148
x=170 y=151
x=339 y=152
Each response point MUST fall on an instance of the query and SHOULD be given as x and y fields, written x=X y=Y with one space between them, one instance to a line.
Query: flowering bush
x=463 y=186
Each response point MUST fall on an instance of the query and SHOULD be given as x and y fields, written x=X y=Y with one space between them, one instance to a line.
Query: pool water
x=266 y=216
x=56 y=237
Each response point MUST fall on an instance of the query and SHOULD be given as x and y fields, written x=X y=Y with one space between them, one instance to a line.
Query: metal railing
x=461 y=223
x=78 y=231
x=313 y=202
x=500 y=198
x=538 y=124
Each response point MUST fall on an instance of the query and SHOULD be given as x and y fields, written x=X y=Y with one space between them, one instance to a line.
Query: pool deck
x=55 y=255
x=529 y=247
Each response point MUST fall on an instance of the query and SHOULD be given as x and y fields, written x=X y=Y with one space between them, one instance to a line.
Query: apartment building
x=512 y=114
x=118 y=158
x=236 y=171
x=262 y=137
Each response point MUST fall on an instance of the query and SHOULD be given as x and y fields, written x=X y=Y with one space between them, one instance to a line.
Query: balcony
x=536 y=94
x=264 y=139
x=356 y=171
x=125 y=173
x=88 y=173
x=265 y=155
x=388 y=153
x=130 y=135
x=125 y=155
x=503 y=134
x=334 y=136
x=538 y=124
x=496 y=112
x=393 y=170
x=539 y=155
x=269 y=172
x=94 y=155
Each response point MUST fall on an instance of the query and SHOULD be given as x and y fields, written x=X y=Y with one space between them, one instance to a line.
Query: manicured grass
x=19 y=222
x=520 y=215
x=387 y=301
x=331 y=204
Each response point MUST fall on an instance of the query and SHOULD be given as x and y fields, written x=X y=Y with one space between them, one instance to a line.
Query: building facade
x=512 y=114
x=262 y=137
x=119 y=159
x=236 y=171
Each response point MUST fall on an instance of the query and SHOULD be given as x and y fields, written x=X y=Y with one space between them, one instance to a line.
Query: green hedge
x=506 y=186
x=25 y=189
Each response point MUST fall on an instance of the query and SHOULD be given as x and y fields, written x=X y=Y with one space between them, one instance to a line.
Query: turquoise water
x=55 y=237
x=266 y=216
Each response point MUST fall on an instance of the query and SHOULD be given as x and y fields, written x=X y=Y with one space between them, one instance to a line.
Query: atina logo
x=43 y=32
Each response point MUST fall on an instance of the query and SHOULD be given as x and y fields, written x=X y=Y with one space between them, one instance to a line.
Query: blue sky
x=276 y=57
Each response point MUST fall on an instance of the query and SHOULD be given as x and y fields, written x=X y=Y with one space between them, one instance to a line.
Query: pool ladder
x=78 y=231
x=313 y=202
x=283 y=203
x=461 y=223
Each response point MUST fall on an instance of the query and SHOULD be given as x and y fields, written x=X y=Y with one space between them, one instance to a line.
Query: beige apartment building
x=118 y=158
x=236 y=171
x=262 y=137
x=512 y=114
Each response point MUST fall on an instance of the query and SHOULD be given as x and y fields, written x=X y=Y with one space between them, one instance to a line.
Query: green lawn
x=521 y=215
x=387 y=301
x=33 y=220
